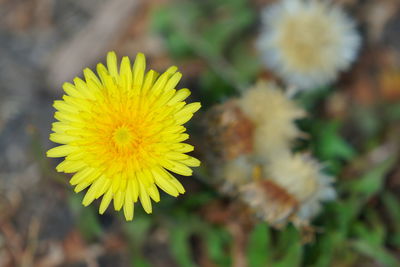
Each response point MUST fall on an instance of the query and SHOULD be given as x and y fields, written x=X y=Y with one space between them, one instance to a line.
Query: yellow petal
x=69 y=166
x=76 y=155
x=105 y=186
x=178 y=185
x=62 y=138
x=180 y=95
x=174 y=129
x=90 y=76
x=82 y=87
x=125 y=72
x=71 y=90
x=62 y=106
x=60 y=151
x=89 y=196
x=94 y=191
x=139 y=68
x=102 y=72
x=116 y=182
x=176 y=167
x=159 y=84
x=134 y=188
x=85 y=175
x=191 y=162
x=144 y=198
x=60 y=127
x=153 y=192
x=163 y=182
x=171 y=70
x=173 y=81
x=163 y=99
x=119 y=199
x=149 y=80
x=128 y=207
x=105 y=202
x=183 y=148
x=81 y=186
x=188 y=109
x=112 y=64
x=176 y=156
x=184 y=119
x=67 y=117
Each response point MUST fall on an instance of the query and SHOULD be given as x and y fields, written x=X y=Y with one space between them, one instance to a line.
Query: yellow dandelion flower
x=121 y=133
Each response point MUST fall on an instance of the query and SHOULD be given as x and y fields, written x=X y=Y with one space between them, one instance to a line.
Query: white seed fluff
x=307 y=43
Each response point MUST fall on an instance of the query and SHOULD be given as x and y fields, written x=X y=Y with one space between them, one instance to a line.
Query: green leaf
x=258 y=246
x=323 y=251
x=137 y=230
x=87 y=219
x=392 y=206
x=246 y=63
x=380 y=254
x=372 y=182
x=139 y=261
x=328 y=143
x=180 y=248
x=374 y=236
x=217 y=242
x=292 y=258
x=393 y=111
x=288 y=250
x=309 y=99
x=368 y=120
x=214 y=89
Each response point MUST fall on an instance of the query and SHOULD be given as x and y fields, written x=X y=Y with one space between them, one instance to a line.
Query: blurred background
x=352 y=127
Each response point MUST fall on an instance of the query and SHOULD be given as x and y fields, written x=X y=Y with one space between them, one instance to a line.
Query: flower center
x=123 y=137
x=305 y=41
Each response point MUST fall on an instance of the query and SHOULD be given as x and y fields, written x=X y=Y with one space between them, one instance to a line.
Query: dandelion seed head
x=307 y=43
x=303 y=178
x=274 y=115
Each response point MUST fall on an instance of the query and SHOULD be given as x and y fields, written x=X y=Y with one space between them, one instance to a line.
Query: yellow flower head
x=121 y=133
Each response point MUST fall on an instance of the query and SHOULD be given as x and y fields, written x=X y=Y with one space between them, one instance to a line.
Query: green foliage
x=289 y=249
x=310 y=99
x=217 y=241
x=372 y=182
x=392 y=112
x=378 y=253
x=329 y=145
x=214 y=88
x=87 y=219
x=212 y=31
x=137 y=232
x=392 y=207
x=258 y=248
x=179 y=242
x=328 y=142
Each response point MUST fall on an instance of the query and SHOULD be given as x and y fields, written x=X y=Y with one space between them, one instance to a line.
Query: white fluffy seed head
x=237 y=172
x=273 y=115
x=302 y=177
x=307 y=43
